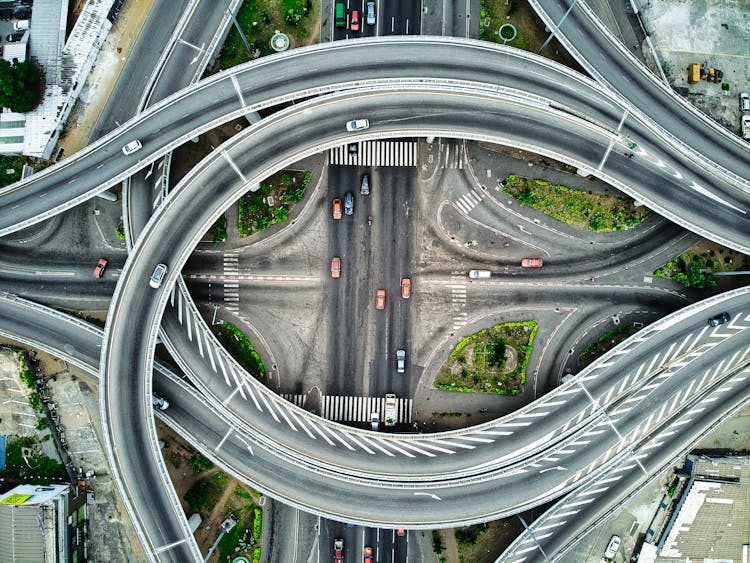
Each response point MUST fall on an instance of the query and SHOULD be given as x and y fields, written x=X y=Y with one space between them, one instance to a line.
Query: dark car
x=719 y=319
x=349 y=203
x=14 y=37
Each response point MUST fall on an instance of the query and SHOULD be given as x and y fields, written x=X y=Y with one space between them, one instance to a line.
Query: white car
x=400 y=361
x=357 y=125
x=131 y=147
x=744 y=101
x=613 y=547
x=746 y=126
x=478 y=274
x=158 y=276
x=161 y=404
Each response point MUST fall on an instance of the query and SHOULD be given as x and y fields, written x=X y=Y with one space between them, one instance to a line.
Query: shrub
x=200 y=463
x=197 y=496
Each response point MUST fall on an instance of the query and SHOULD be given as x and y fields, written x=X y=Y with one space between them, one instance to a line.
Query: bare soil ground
x=104 y=73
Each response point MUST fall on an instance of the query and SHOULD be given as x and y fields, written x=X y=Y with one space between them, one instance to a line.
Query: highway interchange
x=414 y=110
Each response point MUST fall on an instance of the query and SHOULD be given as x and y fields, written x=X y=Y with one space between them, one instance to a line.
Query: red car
x=336 y=267
x=531 y=263
x=338 y=551
x=337 y=208
x=380 y=299
x=367 y=555
x=354 y=22
x=400 y=532
x=101 y=265
x=406 y=288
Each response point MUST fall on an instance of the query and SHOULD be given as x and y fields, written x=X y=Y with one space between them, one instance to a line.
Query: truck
x=694 y=73
x=390 y=409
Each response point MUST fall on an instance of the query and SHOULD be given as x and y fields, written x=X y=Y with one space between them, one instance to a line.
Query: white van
x=477 y=274
x=21 y=25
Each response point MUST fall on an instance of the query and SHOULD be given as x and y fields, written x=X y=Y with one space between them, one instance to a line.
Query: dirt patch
x=103 y=76
x=232 y=498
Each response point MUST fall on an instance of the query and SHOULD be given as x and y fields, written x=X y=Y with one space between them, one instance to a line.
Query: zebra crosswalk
x=469 y=201
x=376 y=153
x=355 y=409
x=231 y=283
x=458 y=301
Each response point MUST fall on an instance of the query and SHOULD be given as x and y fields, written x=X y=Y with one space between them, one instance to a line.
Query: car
x=357 y=125
x=367 y=555
x=380 y=299
x=21 y=25
x=374 y=421
x=719 y=319
x=158 y=276
x=101 y=265
x=354 y=21
x=401 y=532
x=352 y=148
x=131 y=147
x=746 y=126
x=612 y=547
x=744 y=101
x=157 y=401
x=531 y=263
x=349 y=203
x=336 y=208
x=336 y=267
x=371 y=13
x=476 y=274
x=14 y=37
x=364 y=188
x=400 y=361
x=405 y=288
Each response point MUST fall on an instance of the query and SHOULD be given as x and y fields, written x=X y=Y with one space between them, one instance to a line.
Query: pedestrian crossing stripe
x=376 y=153
x=355 y=409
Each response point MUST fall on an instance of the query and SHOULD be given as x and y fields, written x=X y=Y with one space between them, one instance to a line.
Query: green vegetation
x=475 y=363
x=206 y=492
x=606 y=342
x=11 y=168
x=446 y=414
x=247 y=533
x=199 y=463
x=120 y=230
x=272 y=202
x=257 y=522
x=19 y=85
x=259 y=24
x=437 y=543
x=220 y=229
x=36 y=469
x=42 y=424
x=26 y=375
x=242 y=493
x=688 y=267
x=469 y=535
x=241 y=348
x=578 y=208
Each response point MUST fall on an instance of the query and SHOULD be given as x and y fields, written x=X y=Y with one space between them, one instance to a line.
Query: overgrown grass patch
x=585 y=210
x=242 y=349
x=272 y=202
x=604 y=343
x=492 y=360
x=35 y=468
x=688 y=267
x=260 y=20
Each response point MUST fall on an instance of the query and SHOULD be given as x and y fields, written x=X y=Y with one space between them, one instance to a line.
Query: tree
x=19 y=83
